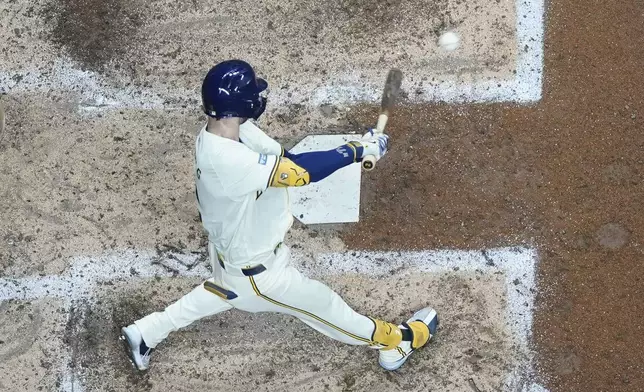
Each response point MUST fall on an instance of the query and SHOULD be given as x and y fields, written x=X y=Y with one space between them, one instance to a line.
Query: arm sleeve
x=316 y=165
x=245 y=171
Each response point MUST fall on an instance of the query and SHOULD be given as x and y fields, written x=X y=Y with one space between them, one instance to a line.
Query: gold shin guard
x=386 y=334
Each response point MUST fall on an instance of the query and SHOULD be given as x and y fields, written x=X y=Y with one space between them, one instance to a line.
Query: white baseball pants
x=281 y=288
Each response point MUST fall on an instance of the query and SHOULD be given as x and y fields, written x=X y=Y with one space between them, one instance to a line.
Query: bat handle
x=369 y=162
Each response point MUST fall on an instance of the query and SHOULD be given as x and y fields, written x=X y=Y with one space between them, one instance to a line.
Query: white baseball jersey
x=244 y=217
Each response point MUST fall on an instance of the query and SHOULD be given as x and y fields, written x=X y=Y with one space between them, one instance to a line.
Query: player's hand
x=375 y=144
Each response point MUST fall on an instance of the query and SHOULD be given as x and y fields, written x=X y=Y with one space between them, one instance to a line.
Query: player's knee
x=386 y=334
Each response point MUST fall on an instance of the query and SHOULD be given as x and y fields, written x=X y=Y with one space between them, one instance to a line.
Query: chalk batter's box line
x=516 y=263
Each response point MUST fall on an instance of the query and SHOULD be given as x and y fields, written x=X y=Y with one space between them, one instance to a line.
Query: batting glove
x=374 y=143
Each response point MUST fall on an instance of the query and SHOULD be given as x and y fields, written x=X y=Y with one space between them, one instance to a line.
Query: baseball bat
x=389 y=96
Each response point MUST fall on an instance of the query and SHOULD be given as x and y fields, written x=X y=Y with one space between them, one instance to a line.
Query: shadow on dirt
x=94 y=32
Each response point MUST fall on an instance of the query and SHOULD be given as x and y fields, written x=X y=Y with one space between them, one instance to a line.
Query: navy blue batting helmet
x=231 y=89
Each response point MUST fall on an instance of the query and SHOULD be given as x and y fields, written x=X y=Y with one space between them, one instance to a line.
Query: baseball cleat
x=422 y=325
x=137 y=350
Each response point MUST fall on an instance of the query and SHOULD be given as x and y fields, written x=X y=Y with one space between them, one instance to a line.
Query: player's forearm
x=321 y=164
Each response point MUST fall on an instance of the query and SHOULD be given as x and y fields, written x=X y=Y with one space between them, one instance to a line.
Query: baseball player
x=242 y=180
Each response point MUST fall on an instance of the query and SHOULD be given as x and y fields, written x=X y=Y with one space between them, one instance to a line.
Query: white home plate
x=336 y=199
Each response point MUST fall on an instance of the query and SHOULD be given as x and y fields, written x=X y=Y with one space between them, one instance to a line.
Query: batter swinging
x=242 y=178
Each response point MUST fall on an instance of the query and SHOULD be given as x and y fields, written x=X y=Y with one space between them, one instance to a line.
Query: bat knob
x=369 y=162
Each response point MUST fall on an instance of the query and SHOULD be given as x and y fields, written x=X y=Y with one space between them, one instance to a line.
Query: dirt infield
x=566 y=175
x=215 y=353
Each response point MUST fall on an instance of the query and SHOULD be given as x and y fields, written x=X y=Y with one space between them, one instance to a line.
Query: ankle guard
x=417 y=333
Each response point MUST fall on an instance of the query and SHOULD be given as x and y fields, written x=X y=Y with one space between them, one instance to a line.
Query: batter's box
x=485 y=300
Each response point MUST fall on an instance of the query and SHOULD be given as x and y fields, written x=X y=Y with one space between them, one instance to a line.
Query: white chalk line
x=517 y=265
x=97 y=94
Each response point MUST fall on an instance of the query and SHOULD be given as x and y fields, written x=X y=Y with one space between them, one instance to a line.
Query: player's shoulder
x=247 y=126
x=217 y=145
x=223 y=152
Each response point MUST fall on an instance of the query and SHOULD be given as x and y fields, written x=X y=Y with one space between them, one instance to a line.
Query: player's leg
x=146 y=333
x=328 y=313
x=286 y=290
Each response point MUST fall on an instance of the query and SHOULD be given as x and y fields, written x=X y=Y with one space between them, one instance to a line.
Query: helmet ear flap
x=259 y=110
x=209 y=113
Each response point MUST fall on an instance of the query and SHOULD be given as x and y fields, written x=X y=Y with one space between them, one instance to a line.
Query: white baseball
x=449 y=41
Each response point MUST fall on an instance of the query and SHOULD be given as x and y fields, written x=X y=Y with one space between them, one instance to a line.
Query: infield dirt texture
x=102 y=107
